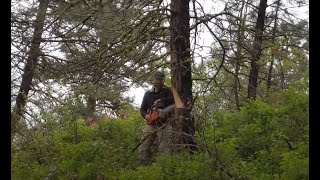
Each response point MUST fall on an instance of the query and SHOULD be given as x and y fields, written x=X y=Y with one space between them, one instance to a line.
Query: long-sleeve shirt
x=165 y=95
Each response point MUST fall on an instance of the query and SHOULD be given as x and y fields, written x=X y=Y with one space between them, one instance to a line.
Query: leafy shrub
x=261 y=141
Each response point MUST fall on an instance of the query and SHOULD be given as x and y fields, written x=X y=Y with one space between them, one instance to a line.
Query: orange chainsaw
x=153 y=116
x=154 y=112
x=157 y=112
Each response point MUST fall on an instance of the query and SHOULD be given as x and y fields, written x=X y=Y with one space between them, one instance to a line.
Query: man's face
x=158 y=81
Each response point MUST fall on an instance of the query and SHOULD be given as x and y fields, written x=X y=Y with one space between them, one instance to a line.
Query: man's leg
x=165 y=140
x=145 y=147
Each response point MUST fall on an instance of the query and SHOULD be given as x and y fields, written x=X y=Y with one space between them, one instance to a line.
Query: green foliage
x=295 y=164
x=261 y=141
x=258 y=141
x=181 y=166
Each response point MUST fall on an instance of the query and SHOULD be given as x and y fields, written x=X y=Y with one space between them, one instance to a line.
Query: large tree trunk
x=274 y=30
x=181 y=72
x=29 y=69
x=254 y=71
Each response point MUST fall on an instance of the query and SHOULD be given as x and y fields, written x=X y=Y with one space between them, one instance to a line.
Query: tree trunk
x=240 y=37
x=274 y=29
x=282 y=77
x=91 y=105
x=29 y=69
x=181 y=72
x=254 y=71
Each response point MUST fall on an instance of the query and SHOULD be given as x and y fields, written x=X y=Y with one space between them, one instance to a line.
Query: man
x=161 y=98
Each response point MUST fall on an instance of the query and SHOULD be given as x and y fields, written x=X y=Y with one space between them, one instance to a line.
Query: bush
x=261 y=141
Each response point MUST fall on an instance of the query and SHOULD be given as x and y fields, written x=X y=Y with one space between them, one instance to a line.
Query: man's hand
x=147 y=118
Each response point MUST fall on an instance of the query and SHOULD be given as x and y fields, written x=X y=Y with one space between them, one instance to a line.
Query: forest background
x=241 y=68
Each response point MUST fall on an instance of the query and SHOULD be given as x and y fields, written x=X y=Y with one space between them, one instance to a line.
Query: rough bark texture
x=254 y=71
x=274 y=30
x=29 y=69
x=181 y=71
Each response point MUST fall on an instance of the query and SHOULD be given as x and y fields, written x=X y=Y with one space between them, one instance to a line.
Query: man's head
x=158 y=79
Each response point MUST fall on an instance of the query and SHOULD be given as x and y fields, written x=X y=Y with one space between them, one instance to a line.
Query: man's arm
x=168 y=102
x=168 y=99
x=144 y=106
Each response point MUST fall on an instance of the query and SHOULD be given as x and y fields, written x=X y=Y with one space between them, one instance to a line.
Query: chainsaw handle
x=152 y=117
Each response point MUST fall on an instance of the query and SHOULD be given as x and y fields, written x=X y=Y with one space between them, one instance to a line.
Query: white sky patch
x=137 y=94
x=58 y=54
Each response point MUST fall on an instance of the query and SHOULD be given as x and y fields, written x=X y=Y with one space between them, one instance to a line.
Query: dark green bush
x=261 y=141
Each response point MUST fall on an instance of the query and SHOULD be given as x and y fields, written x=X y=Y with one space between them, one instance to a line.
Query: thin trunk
x=282 y=70
x=274 y=30
x=240 y=35
x=282 y=78
x=29 y=69
x=181 y=71
x=91 y=105
x=254 y=71
x=92 y=102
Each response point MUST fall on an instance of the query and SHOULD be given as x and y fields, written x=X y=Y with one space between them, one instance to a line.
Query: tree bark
x=29 y=69
x=254 y=71
x=91 y=105
x=240 y=37
x=274 y=30
x=181 y=72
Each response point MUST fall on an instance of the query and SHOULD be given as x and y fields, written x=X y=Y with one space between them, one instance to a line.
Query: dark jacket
x=165 y=95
